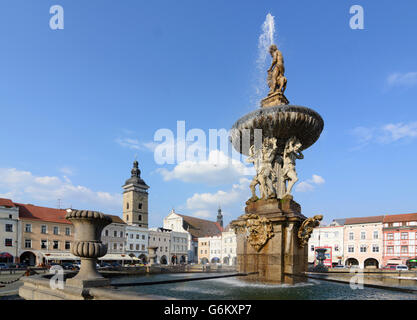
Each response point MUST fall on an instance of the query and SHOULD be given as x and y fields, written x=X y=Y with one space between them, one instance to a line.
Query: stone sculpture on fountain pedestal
x=272 y=235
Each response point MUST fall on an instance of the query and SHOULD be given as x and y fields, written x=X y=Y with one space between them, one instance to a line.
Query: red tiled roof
x=400 y=217
x=6 y=203
x=359 y=220
x=31 y=212
x=199 y=228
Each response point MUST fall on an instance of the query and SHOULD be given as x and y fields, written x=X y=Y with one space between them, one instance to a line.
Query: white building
x=331 y=238
x=160 y=238
x=194 y=227
x=179 y=247
x=215 y=244
x=137 y=239
x=114 y=236
x=229 y=245
x=9 y=231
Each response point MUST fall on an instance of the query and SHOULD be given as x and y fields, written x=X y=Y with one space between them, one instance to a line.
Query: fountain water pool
x=234 y=288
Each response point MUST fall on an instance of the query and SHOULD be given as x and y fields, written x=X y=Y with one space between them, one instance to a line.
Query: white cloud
x=388 y=133
x=402 y=79
x=205 y=205
x=135 y=144
x=217 y=169
x=309 y=184
x=24 y=186
x=67 y=171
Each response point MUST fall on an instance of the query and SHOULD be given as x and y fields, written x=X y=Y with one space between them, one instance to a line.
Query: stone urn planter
x=87 y=245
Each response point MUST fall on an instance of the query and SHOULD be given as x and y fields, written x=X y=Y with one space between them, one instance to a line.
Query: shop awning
x=394 y=261
x=116 y=256
x=59 y=256
x=5 y=255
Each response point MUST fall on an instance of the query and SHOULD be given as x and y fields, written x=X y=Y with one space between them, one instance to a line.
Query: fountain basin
x=281 y=122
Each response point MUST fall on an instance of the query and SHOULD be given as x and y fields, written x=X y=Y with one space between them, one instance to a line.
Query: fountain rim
x=241 y=123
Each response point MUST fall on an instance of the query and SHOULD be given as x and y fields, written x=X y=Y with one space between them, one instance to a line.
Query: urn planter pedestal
x=87 y=245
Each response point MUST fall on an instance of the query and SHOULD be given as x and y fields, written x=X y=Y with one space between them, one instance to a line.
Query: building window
x=140 y=217
x=56 y=244
x=131 y=236
x=114 y=246
x=375 y=248
x=404 y=249
x=143 y=247
x=56 y=230
x=121 y=246
x=375 y=234
x=67 y=231
x=390 y=236
x=44 y=244
x=67 y=245
x=127 y=217
x=28 y=243
x=143 y=237
x=350 y=235
x=311 y=248
x=137 y=247
x=43 y=229
x=127 y=205
x=363 y=248
x=106 y=233
x=351 y=249
x=390 y=250
x=8 y=242
x=115 y=233
x=140 y=206
x=121 y=234
x=137 y=237
x=131 y=246
x=336 y=247
x=404 y=235
x=9 y=228
x=363 y=235
x=28 y=228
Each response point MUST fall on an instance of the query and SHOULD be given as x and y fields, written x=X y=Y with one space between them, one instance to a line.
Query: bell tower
x=135 y=199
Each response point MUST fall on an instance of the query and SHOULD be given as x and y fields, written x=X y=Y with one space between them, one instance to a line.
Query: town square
x=208 y=151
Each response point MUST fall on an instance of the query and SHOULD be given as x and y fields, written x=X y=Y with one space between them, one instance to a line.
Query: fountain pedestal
x=267 y=241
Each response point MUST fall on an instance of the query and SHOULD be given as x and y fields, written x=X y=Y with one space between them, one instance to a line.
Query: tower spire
x=220 y=217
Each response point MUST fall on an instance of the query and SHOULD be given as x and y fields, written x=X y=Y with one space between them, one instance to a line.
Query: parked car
x=390 y=267
x=3 y=266
x=67 y=266
x=401 y=267
x=116 y=265
x=339 y=266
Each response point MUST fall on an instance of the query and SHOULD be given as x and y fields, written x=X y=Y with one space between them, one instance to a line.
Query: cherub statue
x=291 y=153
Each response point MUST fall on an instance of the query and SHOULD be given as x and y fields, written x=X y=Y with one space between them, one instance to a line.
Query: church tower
x=135 y=199
x=220 y=217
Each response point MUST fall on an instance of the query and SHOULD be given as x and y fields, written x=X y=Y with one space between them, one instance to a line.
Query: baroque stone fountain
x=272 y=235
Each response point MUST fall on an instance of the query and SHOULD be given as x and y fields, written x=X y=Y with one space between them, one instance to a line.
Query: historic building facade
x=229 y=246
x=331 y=238
x=46 y=235
x=363 y=242
x=137 y=242
x=9 y=231
x=203 y=250
x=195 y=228
x=161 y=239
x=114 y=236
x=400 y=238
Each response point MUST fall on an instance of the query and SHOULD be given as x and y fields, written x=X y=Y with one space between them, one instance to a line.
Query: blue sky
x=78 y=104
